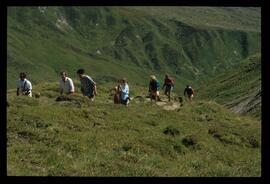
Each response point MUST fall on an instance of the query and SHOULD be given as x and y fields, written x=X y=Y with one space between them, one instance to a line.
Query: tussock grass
x=47 y=138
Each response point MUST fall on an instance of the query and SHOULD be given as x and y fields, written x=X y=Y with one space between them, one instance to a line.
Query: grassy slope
x=133 y=43
x=239 y=85
x=60 y=138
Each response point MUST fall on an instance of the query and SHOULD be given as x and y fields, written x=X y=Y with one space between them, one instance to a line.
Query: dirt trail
x=169 y=106
x=166 y=105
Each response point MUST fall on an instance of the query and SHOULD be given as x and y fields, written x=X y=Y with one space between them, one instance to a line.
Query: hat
x=153 y=77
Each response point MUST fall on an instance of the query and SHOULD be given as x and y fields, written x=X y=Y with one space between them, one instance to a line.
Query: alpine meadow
x=216 y=50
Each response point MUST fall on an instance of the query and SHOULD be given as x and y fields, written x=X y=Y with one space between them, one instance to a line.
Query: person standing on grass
x=190 y=92
x=124 y=92
x=168 y=84
x=88 y=85
x=66 y=84
x=24 y=86
x=154 y=88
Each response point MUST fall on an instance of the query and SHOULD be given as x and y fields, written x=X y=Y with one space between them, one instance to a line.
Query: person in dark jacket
x=190 y=92
x=88 y=85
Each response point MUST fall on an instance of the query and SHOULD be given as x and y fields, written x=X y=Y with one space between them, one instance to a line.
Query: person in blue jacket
x=154 y=86
x=124 y=92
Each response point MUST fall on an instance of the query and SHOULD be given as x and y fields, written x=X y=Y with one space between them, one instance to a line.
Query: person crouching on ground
x=24 y=86
x=66 y=84
x=124 y=92
x=88 y=85
x=153 y=88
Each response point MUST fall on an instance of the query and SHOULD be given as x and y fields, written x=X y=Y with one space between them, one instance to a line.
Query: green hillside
x=112 y=42
x=239 y=88
x=214 y=49
x=71 y=138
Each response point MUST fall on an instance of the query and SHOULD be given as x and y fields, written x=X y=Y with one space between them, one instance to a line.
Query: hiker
x=66 y=84
x=24 y=86
x=154 y=88
x=88 y=85
x=168 y=84
x=190 y=92
x=124 y=92
x=116 y=97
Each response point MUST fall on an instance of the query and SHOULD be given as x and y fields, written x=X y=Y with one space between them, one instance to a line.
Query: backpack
x=172 y=80
x=27 y=92
x=158 y=84
x=190 y=91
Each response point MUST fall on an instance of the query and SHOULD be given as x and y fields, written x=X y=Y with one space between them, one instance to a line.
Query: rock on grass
x=253 y=142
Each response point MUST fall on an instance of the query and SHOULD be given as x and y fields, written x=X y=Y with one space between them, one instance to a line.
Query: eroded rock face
x=246 y=103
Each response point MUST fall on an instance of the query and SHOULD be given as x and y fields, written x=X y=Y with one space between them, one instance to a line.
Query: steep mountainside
x=239 y=88
x=111 y=42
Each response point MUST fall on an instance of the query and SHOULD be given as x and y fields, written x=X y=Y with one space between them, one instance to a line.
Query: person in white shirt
x=24 y=86
x=66 y=84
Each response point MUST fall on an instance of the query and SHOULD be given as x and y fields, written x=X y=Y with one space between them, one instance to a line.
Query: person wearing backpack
x=154 y=86
x=88 y=85
x=190 y=92
x=168 y=84
x=24 y=86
